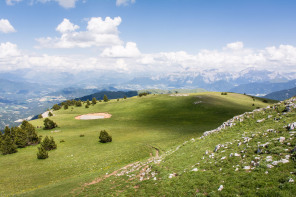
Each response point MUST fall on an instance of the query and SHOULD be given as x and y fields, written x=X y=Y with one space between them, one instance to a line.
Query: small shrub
x=61 y=141
x=81 y=135
x=265 y=101
x=42 y=153
x=86 y=106
x=40 y=116
x=66 y=107
x=49 y=124
x=94 y=101
x=105 y=137
x=48 y=143
x=50 y=114
x=143 y=94
x=223 y=93
x=124 y=97
x=78 y=103
x=56 y=107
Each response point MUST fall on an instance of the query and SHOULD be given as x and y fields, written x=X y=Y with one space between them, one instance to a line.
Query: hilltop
x=144 y=129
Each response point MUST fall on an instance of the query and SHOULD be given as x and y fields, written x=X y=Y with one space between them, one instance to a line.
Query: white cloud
x=128 y=59
x=130 y=50
x=63 y=3
x=12 y=2
x=66 y=26
x=8 y=50
x=124 y=2
x=5 y=26
x=235 y=46
x=100 y=33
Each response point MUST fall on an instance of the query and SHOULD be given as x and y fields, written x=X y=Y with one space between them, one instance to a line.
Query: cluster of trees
x=46 y=145
x=18 y=137
x=223 y=93
x=143 y=94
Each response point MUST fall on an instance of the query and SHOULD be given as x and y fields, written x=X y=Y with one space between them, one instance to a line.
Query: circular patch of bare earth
x=93 y=116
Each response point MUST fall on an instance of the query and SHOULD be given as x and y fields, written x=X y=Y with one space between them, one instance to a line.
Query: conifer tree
x=66 y=106
x=42 y=153
x=94 y=101
x=8 y=146
x=105 y=137
x=48 y=143
x=49 y=124
x=105 y=98
x=56 y=107
x=7 y=131
x=40 y=116
x=87 y=102
x=20 y=138
x=50 y=114
x=32 y=137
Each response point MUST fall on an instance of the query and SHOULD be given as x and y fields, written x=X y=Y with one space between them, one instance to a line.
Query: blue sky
x=182 y=33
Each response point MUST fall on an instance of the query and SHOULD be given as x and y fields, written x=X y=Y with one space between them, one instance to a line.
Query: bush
x=124 y=97
x=105 y=137
x=223 y=93
x=8 y=146
x=32 y=137
x=81 y=135
x=50 y=114
x=56 y=107
x=86 y=106
x=49 y=124
x=143 y=94
x=265 y=101
x=42 y=153
x=66 y=107
x=40 y=116
x=48 y=143
x=106 y=98
x=78 y=103
x=94 y=101
x=20 y=138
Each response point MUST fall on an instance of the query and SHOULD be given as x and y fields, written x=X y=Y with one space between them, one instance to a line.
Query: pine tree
x=105 y=137
x=124 y=97
x=32 y=137
x=40 y=116
x=65 y=106
x=56 y=107
x=49 y=124
x=7 y=131
x=105 y=98
x=87 y=102
x=50 y=114
x=42 y=153
x=20 y=138
x=49 y=143
x=8 y=146
x=94 y=101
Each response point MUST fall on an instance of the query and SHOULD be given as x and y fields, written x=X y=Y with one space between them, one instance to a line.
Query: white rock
x=220 y=188
x=268 y=158
x=284 y=161
x=247 y=167
x=269 y=166
x=236 y=169
x=275 y=163
x=223 y=158
x=291 y=180
x=237 y=155
x=266 y=172
x=154 y=178
x=282 y=139
x=194 y=170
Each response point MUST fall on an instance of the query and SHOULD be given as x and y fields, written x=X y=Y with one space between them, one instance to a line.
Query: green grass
x=136 y=125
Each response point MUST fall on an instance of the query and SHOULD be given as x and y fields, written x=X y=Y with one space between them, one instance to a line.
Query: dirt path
x=136 y=166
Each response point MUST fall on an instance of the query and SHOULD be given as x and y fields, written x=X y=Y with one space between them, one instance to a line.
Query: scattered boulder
x=282 y=139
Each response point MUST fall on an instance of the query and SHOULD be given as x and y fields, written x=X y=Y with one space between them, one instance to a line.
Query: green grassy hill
x=140 y=127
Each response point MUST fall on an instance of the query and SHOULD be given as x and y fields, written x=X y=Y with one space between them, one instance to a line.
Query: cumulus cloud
x=130 y=50
x=5 y=26
x=66 y=26
x=99 y=32
x=124 y=2
x=8 y=50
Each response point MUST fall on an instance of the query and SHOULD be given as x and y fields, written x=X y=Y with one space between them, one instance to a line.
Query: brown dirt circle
x=105 y=115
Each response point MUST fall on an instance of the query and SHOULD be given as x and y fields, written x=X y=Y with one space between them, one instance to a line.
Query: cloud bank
x=124 y=2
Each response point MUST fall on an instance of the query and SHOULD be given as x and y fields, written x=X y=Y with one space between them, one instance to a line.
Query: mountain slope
x=282 y=95
x=252 y=154
x=139 y=126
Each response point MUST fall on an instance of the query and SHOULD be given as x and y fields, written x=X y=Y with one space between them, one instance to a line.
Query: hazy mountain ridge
x=282 y=95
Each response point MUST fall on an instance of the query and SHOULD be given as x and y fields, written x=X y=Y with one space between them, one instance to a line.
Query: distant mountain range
x=282 y=95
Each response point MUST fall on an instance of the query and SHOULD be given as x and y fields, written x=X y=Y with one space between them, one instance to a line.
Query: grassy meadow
x=137 y=126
